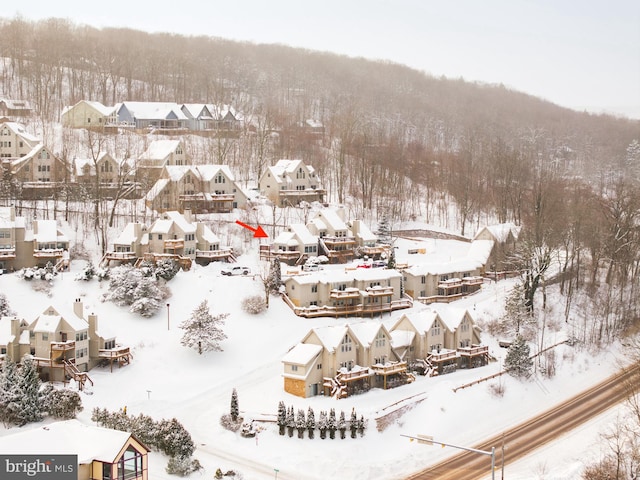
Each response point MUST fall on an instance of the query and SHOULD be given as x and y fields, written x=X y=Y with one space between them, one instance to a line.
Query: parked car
x=236 y=271
x=311 y=267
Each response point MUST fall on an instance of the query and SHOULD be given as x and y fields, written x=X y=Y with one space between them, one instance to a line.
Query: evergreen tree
x=516 y=314
x=234 y=405
x=518 y=361
x=202 y=330
x=9 y=393
x=175 y=441
x=353 y=423
x=391 y=263
x=282 y=416
x=342 y=425
x=28 y=407
x=384 y=230
x=361 y=425
x=291 y=421
x=5 y=310
x=311 y=422
x=301 y=423
x=332 y=424
x=147 y=297
x=274 y=281
x=322 y=424
x=87 y=273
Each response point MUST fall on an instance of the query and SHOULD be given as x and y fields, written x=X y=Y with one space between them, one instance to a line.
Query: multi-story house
x=505 y=240
x=343 y=360
x=441 y=280
x=201 y=189
x=89 y=114
x=102 y=453
x=14 y=108
x=439 y=340
x=159 y=154
x=21 y=247
x=63 y=343
x=289 y=182
x=173 y=235
x=344 y=293
x=15 y=141
x=157 y=116
x=104 y=168
x=328 y=234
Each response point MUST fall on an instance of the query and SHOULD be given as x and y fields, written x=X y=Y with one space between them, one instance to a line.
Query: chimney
x=78 y=308
x=93 y=326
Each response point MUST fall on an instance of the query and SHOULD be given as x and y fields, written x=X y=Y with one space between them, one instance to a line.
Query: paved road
x=528 y=436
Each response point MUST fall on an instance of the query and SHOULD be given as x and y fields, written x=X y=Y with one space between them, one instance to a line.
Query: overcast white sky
x=583 y=54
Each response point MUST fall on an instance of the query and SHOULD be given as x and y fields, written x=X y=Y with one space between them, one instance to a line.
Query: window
x=423 y=279
x=294 y=368
x=88 y=119
x=345 y=346
x=314 y=288
x=319 y=366
x=381 y=339
x=159 y=236
x=435 y=329
x=130 y=464
x=45 y=337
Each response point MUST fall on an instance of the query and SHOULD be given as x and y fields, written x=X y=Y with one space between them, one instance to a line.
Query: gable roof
x=154 y=110
x=365 y=332
x=302 y=353
x=69 y=437
x=159 y=149
x=330 y=336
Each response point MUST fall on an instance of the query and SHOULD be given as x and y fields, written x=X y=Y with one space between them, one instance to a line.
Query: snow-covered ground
x=168 y=380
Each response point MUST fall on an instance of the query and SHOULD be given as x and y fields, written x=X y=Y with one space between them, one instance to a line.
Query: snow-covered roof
x=7 y=217
x=6 y=336
x=47 y=231
x=160 y=149
x=441 y=268
x=154 y=110
x=333 y=219
x=99 y=107
x=15 y=104
x=128 y=235
x=207 y=172
x=180 y=221
x=157 y=187
x=450 y=315
x=401 y=338
x=176 y=172
x=47 y=323
x=302 y=353
x=331 y=335
x=365 y=234
x=19 y=129
x=501 y=231
x=208 y=235
x=303 y=233
x=421 y=320
x=161 y=226
x=285 y=239
x=68 y=437
x=480 y=250
x=366 y=331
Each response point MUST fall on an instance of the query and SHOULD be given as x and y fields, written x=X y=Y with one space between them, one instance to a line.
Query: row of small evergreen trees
x=167 y=436
x=288 y=420
x=23 y=398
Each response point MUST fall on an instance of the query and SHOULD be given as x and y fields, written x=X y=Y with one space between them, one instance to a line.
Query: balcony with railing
x=219 y=254
x=389 y=368
x=473 y=351
x=48 y=253
x=379 y=291
x=351 y=292
x=7 y=252
x=173 y=244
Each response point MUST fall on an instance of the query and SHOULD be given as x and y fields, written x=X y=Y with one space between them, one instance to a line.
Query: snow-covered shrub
x=254 y=304
x=166 y=268
x=128 y=286
x=497 y=389
x=5 y=310
x=63 y=403
x=229 y=423
x=182 y=466
x=87 y=273
x=27 y=273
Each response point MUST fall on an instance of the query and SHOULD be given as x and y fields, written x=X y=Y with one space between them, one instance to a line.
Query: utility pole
x=430 y=441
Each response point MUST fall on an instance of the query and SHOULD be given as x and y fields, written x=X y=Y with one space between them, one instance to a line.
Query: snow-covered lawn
x=167 y=380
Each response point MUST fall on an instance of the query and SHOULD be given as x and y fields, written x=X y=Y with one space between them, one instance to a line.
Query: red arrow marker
x=257 y=232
